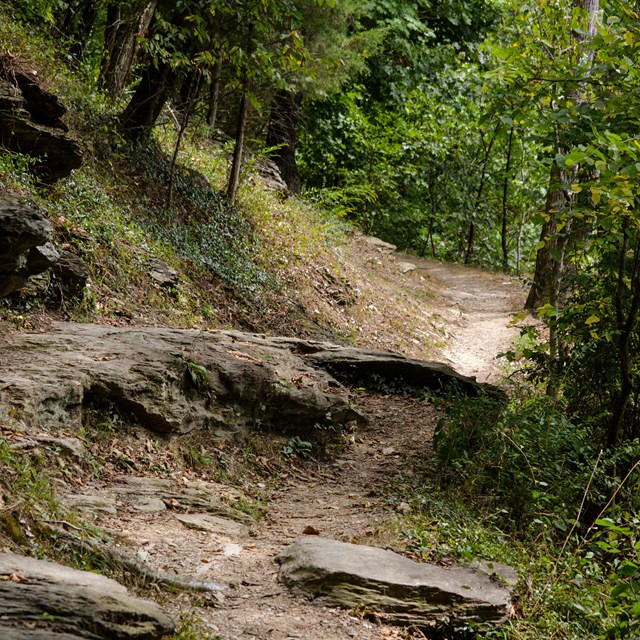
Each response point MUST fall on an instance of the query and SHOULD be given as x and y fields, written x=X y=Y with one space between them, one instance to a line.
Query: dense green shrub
x=528 y=458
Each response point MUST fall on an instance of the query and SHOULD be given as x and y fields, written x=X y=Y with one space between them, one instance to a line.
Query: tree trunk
x=282 y=132
x=214 y=94
x=546 y=270
x=120 y=54
x=139 y=117
x=505 y=209
x=112 y=24
x=234 y=177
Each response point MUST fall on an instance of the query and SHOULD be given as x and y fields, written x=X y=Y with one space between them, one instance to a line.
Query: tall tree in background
x=125 y=25
x=282 y=133
x=77 y=22
x=336 y=48
x=556 y=230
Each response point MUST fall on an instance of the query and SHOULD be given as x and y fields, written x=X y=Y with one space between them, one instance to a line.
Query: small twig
x=64 y=523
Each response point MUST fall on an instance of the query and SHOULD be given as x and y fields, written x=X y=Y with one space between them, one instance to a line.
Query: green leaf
x=619 y=589
x=628 y=569
x=574 y=157
x=592 y=320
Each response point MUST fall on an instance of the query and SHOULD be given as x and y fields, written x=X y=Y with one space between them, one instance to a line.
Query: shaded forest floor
x=444 y=311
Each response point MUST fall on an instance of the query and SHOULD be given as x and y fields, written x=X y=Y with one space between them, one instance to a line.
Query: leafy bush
x=529 y=458
x=617 y=543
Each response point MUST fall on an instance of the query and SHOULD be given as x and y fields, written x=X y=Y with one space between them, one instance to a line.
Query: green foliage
x=297 y=447
x=193 y=628
x=439 y=526
x=577 y=580
x=26 y=496
x=37 y=11
x=195 y=372
x=16 y=171
x=529 y=459
x=208 y=230
x=427 y=163
x=616 y=542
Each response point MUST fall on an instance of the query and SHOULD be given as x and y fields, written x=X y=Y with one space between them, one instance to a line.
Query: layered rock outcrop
x=26 y=250
x=47 y=601
x=31 y=123
x=175 y=381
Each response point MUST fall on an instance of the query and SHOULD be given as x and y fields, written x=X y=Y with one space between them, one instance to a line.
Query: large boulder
x=30 y=123
x=174 y=381
x=46 y=601
x=25 y=249
x=397 y=588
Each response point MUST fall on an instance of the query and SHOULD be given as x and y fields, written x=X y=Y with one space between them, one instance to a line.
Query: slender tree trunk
x=191 y=98
x=626 y=325
x=241 y=125
x=139 y=117
x=471 y=238
x=282 y=133
x=483 y=178
x=505 y=209
x=214 y=94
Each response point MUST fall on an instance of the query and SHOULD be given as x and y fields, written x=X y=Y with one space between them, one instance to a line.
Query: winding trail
x=478 y=307
x=342 y=499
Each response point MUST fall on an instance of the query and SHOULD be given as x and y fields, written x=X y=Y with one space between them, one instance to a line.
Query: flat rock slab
x=284 y=384
x=213 y=524
x=91 y=504
x=250 y=380
x=154 y=495
x=400 y=590
x=46 y=600
x=406 y=267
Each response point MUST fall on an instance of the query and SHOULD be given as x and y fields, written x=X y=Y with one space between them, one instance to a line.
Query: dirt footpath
x=343 y=500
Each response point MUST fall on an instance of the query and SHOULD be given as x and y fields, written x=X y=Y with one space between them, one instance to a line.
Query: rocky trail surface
x=189 y=529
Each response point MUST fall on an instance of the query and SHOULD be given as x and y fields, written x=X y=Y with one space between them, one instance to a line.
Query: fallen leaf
x=404 y=507
x=309 y=530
